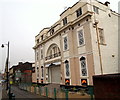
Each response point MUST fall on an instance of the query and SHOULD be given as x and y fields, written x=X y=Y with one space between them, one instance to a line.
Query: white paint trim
x=77 y=30
x=65 y=69
x=86 y=67
x=56 y=63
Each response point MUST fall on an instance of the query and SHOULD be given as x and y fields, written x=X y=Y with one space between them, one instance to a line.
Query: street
x=24 y=95
x=20 y=94
x=0 y=92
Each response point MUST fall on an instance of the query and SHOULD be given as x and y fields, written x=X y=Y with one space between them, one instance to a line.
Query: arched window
x=53 y=51
x=83 y=66
x=42 y=71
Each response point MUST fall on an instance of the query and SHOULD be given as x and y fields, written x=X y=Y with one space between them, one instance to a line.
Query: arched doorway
x=54 y=70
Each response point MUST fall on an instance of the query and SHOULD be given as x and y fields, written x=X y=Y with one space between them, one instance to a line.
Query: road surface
x=24 y=95
x=0 y=91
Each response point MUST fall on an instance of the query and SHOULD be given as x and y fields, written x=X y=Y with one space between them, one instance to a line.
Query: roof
x=105 y=4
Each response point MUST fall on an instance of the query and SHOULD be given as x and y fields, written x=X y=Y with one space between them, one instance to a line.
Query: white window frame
x=81 y=68
x=67 y=43
x=65 y=69
x=81 y=28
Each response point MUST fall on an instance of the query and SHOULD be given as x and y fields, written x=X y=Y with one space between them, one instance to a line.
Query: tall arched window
x=67 y=68
x=53 y=51
x=42 y=71
x=83 y=66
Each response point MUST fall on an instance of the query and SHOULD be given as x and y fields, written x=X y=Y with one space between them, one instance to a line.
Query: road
x=0 y=92
x=0 y=88
x=24 y=95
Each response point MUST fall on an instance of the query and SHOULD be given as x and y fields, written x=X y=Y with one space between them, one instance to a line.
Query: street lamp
x=6 y=65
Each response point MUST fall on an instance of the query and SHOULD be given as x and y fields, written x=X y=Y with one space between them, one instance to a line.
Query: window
x=41 y=53
x=67 y=72
x=65 y=21
x=37 y=71
x=80 y=37
x=101 y=36
x=96 y=9
x=65 y=43
x=51 y=31
x=37 y=40
x=79 y=12
x=53 y=51
x=37 y=55
x=83 y=66
x=41 y=37
x=42 y=71
x=33 y=69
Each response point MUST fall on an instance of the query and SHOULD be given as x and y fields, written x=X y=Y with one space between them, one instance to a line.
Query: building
x=34 y=80
x=82 y=43
x=21 y=73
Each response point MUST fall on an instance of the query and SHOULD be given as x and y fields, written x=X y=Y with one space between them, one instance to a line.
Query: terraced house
x=82 y=43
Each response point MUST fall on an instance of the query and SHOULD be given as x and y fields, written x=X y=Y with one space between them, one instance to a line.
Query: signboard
x=11 y=82
x=67 y=81
x=84 y=82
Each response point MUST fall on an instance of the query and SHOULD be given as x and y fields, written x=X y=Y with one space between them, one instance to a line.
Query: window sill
x=84 y=76
x=65 y=50
x=81 y=45
x=103 y=44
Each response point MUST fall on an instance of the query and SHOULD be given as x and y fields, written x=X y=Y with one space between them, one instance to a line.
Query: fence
x=55 y=93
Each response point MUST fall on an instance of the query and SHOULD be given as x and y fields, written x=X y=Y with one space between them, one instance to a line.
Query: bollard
x=46 y=90
x=30 y=88
x=55 y=93
x=40 y=91
x=35 y=89
x=91 y=92
x=66 y=94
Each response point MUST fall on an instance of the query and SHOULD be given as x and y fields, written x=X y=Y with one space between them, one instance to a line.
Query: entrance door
x=54 y=74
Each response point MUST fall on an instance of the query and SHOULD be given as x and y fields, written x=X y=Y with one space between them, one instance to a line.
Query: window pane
x=65 y=21
x=83 y=66
x=67 y=69
x=37 y=54
x=95 y=9
x=80 y=36
x=79 y=12
x=41 y=54
x=42 y=72
x=65 y=43
x=84 y=72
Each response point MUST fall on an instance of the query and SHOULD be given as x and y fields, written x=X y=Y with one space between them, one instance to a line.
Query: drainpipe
x=98 y=43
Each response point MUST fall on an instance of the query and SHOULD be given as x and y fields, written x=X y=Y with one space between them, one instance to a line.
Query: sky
x=22 y=20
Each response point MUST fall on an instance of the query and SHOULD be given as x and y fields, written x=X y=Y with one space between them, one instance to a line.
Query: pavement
x=4 y=94
x=22 y=95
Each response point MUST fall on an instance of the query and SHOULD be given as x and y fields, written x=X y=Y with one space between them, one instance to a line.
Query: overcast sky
x=21 y=21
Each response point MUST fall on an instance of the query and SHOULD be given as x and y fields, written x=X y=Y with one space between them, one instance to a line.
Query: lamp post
x=7 y=65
